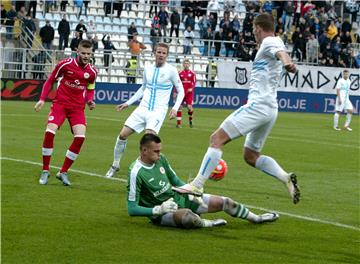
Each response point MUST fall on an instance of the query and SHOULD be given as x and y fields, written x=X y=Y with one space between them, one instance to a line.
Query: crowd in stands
x=314 y=31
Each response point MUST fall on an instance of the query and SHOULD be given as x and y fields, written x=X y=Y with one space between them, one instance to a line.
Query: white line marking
x=308 y=218
x=55 y=167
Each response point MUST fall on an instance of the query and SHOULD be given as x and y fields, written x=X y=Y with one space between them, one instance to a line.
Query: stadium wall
x=110 y=93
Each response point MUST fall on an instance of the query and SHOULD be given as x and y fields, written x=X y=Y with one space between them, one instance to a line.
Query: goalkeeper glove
x=169 y=206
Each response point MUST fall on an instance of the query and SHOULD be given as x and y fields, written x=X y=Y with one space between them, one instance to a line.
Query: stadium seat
x=107 y=20
x=98 y=20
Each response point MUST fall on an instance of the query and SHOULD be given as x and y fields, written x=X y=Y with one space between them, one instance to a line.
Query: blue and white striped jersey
x=266 y=72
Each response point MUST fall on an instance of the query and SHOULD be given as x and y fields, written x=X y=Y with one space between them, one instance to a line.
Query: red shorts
x=58 y=113
x=188 y=99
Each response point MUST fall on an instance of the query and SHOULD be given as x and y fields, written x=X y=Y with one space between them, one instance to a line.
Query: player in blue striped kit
x=158 y=82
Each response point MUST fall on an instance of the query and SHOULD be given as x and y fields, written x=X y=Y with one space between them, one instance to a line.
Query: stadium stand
x=109 y=18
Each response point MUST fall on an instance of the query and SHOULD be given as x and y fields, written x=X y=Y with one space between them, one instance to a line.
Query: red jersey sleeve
x=56 y=73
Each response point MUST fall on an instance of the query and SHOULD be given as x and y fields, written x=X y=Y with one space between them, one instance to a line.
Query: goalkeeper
x=150 y=194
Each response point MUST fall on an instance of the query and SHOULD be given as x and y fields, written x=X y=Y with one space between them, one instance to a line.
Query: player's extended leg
x=179 y=117
x=212 y=157
x=218 y=203
x=185 y=218
x=72 y=153
x=348 y=120
x=119 y=149
x=336 y=120
x=190 y=113
x=47 y=150
x=271 y=167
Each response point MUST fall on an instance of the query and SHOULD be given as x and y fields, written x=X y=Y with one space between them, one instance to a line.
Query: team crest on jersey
x=77 y=82
x=51 y=118
x=86 y=75
x=162 y=170
x=240 y=75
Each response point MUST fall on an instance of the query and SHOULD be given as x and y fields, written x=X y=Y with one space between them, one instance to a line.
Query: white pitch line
x=308 y=218
x=55 y=167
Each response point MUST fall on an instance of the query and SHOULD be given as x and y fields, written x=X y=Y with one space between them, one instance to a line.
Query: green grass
x=88 y=222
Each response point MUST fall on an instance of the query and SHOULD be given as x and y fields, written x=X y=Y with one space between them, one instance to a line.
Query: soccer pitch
x=88 y=222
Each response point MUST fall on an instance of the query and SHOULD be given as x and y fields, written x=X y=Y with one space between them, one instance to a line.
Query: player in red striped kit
x=76 y=88
x=188 y=79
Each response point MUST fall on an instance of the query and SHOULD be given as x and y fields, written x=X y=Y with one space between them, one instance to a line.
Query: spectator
x=188 y=40
x=240 y=51
x=86 y=4
x=135 y=46
x=95 y=46
x=346 y=39
x=208 y=41
x=63 y=6
x=267 y=7
x=235 y=25
x=219 y=37
x=204 y=24
x=64 y=32
x=213 y=7
x=330 y=63
x=289 y=10
x=32 y=5
x=213 y=22
x=39 y=60
x=108 y=48
x=211 y=73
x=190 y=21
x=131 y=31
x=155 y=37
x=29 y=30
x=75 y=41
x=299 y=48
x=175 y=24
x=10 y=21
x=91 y=30
x=312 y=48
x=22 y=13
x=228 y=44
x=163 y=21
x=352 y=7
x=47 y=34
x=346 y=26
x=332 y=30
x=154 y=5
x=297 y=15
x=3 y=14
x=81 y=28
x=131 y=67
x=79 y=5
x=279 y=25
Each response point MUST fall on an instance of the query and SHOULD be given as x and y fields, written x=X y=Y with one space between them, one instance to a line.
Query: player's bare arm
x=286 y=60
x=121 y=107
x=39 y=105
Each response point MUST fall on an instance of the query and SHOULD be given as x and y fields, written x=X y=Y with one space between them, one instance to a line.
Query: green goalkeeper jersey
x=149 y=186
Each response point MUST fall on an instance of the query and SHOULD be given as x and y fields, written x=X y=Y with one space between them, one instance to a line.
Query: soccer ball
x=220 y=171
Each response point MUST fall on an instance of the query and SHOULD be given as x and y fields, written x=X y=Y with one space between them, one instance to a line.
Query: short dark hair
x=148 y=138
x=265 y=21
x=85 y=43
x=345 y=70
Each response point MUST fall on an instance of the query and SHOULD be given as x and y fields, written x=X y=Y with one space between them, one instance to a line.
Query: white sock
x=253 y=217
x=348 y=120
x=119 y=150
x=336 y=119
x=209 y=163
x=271 y=167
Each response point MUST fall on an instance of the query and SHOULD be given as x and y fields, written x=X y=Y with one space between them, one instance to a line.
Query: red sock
x=72 y=153
x=178 y=118
x=47 y=148
x=190 y=113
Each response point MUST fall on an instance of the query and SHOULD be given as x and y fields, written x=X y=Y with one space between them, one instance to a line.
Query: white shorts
x=345 y=104
x=254 y=120
x=141 y=118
